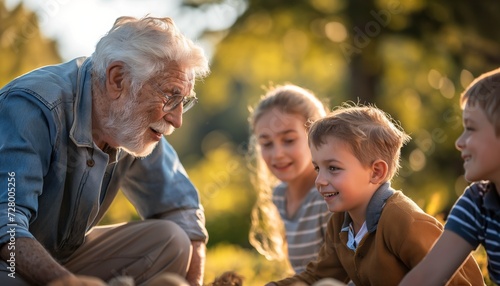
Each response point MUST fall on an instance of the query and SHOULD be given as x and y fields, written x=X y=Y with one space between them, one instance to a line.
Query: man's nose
x=174 y=117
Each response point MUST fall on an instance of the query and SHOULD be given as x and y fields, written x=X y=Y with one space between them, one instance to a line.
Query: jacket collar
x=374 y=209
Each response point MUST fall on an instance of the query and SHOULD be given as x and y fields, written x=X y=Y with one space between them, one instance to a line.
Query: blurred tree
x=411 y=58
x=224 y=191
x=22 y=46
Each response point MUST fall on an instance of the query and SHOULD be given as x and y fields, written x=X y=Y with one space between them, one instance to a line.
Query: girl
x=284 y=177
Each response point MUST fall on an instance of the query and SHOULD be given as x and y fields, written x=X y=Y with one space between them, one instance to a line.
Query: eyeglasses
x=173 y=101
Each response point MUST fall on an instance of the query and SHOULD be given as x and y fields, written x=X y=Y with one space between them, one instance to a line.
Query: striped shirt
x=305 y=230
x=476 y=218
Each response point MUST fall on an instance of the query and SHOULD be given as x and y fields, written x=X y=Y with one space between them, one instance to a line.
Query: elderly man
x=75 y=133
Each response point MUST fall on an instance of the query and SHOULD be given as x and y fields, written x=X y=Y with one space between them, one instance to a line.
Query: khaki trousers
x=141 y=249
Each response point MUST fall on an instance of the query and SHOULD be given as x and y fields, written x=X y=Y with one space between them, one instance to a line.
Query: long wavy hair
x=267 y=232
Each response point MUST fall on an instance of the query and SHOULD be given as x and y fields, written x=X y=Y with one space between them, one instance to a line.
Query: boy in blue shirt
x=475 y=218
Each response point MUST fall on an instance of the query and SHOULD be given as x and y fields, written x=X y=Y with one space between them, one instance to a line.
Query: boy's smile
x=329 y=195
x=479 y=146
x=342 y=180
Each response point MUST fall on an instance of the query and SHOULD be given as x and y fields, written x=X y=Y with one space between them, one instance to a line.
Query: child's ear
x=379 y=172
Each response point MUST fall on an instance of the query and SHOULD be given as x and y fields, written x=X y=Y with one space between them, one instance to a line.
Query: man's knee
x=171 y=236
x=142 y=249
x=167 y=232
x=172 y=247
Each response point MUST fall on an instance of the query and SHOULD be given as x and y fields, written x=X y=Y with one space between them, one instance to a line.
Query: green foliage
x=121 y=210
x=22 y=47
x=225 y=193
x=409 y=58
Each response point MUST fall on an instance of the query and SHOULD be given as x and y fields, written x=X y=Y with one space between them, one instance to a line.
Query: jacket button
x=90 y=163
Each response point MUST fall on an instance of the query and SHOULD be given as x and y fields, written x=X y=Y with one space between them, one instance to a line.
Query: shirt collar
x=491 y=198
x=374 y=209
x=81 y=130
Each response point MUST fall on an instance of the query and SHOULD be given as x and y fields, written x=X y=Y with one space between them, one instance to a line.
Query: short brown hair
x=370 y=133
x=485 y=91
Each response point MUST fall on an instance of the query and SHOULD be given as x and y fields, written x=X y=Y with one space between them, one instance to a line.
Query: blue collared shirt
x=56 y=184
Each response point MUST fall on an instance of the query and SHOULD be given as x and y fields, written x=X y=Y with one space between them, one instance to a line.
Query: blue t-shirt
x=476 y=218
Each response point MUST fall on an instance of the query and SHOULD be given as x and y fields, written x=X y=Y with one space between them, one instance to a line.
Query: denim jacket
x=56 y=184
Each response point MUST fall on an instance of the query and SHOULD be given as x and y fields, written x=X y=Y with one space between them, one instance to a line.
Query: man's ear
x=115 y=79
x=379 y=171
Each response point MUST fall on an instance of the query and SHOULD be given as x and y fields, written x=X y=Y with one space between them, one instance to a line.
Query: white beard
x=128 y=129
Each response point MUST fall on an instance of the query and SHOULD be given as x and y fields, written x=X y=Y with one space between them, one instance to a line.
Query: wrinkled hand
x=77 y=280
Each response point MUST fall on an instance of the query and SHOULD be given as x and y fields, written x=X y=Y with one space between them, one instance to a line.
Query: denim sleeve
x=25 y=150
x=159 y=187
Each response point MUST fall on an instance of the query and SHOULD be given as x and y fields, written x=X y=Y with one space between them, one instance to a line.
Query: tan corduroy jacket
x=399 y=235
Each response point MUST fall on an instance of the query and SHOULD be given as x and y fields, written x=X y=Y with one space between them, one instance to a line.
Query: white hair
x=145 y=46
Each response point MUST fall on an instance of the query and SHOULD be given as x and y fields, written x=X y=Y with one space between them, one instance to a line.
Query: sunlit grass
x=255 y=268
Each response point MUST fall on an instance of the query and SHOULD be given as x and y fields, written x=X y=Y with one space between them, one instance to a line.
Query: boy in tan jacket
x=376 y=234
